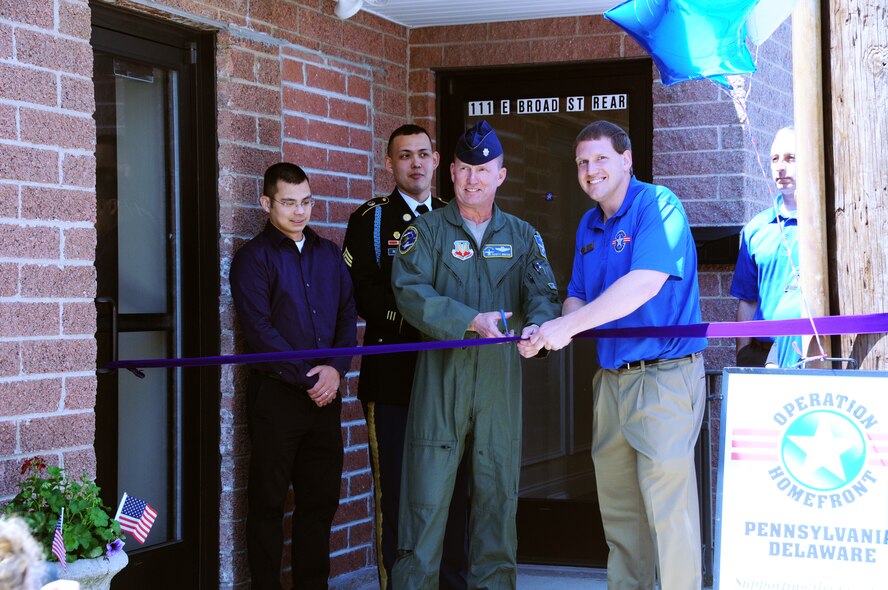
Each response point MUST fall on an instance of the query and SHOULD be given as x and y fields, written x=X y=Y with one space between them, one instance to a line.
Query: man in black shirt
x=292 y=291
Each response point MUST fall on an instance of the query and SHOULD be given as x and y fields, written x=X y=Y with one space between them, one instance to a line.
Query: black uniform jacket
x=385 y=378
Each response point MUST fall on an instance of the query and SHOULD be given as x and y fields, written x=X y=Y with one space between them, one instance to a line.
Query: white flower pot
x=93 y=574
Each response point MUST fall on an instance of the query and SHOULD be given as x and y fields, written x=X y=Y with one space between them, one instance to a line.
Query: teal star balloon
x=690 y=39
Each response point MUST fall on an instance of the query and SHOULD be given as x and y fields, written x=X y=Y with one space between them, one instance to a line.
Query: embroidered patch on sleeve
x=408 y=240
x=539 y=240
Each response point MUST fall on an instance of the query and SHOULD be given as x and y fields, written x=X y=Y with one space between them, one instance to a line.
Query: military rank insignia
x=408 y=240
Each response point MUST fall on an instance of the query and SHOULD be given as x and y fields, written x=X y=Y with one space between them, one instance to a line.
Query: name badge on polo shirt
x=497 y=251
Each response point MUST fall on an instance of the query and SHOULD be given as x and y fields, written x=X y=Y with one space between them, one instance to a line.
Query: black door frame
x=455 y=88
x=192 y=54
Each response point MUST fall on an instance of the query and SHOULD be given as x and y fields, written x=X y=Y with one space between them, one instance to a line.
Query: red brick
x=394 y=77
x=56 y=432
x=79 y=170
x=28 y=319
x=250 y=98
x=447 y=35
x=53 y=204
x=359 y=190
x=10 y=358
x=8 y=126
x=692 y=91
x=349 y=111
x=358 y=87
x=9 y=280
x=10 y=473
x=684 y=115
x=329 y=186
x=77 y=95
x=28 y=164
x=5 y=42
x=692 y=187
x=238 y=189
x=7 y=439
x=292 y=71
x=305 y=155
x=58 y=281
x=9 y=200
x=29 y=242
x=350 y=561
x=79 y=462
x=80 y=392
x=316 y=131
x=237 y=127
x=74 y=19
x=339 y=211
x=237 y=63
x=246 y=160
x=394 y=49
x=710 y=284
x=58 y=356
x=30 y=397
x=700 y=164
x=360 y=483
x=244 y=221
x=304 y=101
x=80 y=244
x=268 y=71
x=325 y=79
x=425 y=57
x=299 y=54
x=360 y=139
x=78 y=318
x=686 y=140
x=50 y=51
x=322 y=27
x=422 y=82
x=348 y=162
x=36 y=14
x=270 y=132
x=393 y=102
x=363 y=40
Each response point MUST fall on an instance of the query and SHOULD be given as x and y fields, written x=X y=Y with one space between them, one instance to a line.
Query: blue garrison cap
x=478 y=145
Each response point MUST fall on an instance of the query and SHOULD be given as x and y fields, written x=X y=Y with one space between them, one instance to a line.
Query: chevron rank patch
x=349 y=259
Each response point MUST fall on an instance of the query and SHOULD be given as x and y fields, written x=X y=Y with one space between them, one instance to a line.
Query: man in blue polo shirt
x=635 y=265
x=766 y=277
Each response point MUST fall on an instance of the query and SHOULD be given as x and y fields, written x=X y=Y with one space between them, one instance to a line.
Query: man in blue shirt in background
x=292 y=291
x=635 y=265
x=766 y=279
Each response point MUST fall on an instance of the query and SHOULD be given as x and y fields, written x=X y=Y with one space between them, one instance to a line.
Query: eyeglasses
x=291 y=204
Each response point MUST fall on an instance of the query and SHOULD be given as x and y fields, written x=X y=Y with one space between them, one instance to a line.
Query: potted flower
x=93 y=541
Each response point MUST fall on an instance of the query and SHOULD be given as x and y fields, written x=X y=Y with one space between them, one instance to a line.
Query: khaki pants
x=645 y=424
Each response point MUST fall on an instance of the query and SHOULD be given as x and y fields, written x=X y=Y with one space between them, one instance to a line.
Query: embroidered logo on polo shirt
x=462 y=250
x=620 y=240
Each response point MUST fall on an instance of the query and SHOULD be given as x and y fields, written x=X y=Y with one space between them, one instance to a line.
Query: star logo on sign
x=823 y=450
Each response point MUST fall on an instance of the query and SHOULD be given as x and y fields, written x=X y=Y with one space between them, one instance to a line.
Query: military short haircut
x=408 y=129
x=289 y=173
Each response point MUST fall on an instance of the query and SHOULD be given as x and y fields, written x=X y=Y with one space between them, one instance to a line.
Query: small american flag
x=58 y=543
x=135 y=516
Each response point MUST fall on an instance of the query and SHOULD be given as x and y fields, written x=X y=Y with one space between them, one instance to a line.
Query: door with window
x=157 y=293
x=537 y=113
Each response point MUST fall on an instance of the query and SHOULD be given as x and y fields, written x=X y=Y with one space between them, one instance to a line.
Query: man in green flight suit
x=456 y=269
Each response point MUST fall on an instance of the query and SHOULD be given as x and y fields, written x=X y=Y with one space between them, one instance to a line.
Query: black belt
x=651 y=363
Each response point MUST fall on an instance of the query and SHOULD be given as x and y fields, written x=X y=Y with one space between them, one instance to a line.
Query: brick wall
x=47 y=239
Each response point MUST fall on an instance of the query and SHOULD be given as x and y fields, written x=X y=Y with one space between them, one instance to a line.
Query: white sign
x=575 y=104
x=803 y=481
x=607 y=102
x=478 y=108
x=532 y=106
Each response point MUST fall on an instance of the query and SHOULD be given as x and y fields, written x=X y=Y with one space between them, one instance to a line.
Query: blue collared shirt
x=766 y=273
x=649 y=232
x=291 y=300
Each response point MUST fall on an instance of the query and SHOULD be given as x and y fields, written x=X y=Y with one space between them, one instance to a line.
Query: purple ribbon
x=828 y=325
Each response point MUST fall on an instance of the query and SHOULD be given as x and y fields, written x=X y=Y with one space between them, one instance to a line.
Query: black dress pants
x=293 y=442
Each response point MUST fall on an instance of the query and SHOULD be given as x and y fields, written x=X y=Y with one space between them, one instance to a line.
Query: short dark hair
x=289 y=173
x=408 y=129
x=598 y=129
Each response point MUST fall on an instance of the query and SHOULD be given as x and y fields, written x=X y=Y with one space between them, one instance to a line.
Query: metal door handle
x=109 y=301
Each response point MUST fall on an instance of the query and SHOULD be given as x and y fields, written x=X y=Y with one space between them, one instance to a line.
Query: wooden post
x=810 y=176
x=859 y=84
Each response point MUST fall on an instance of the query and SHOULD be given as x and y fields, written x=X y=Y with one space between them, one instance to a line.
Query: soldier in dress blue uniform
x=371 y=241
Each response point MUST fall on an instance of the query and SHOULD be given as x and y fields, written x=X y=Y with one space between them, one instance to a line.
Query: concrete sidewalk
x=551 y=577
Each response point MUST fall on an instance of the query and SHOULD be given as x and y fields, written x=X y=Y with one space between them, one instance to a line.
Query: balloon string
x=739 y=97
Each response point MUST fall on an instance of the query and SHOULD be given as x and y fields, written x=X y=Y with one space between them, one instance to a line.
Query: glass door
x=152 y=225
x=537 y=113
